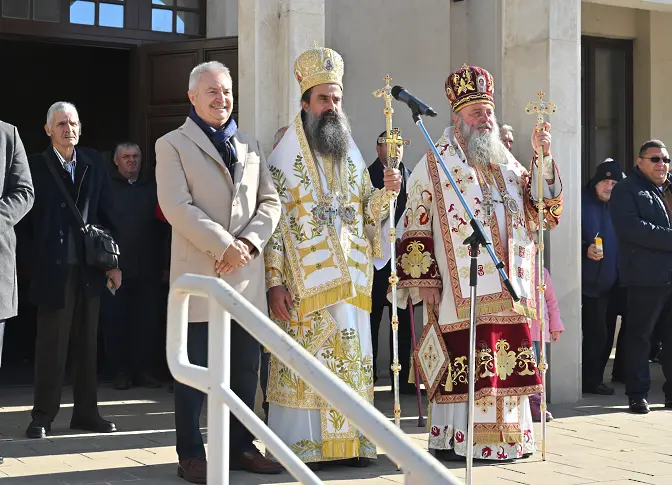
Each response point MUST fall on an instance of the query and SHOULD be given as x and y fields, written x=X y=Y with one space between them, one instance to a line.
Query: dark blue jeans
x=645 y=305
x=189 y=401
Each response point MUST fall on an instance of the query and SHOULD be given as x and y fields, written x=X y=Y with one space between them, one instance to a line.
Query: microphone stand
x=477 y=239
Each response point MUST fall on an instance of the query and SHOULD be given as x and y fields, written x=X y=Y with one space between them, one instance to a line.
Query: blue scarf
x=221 y=138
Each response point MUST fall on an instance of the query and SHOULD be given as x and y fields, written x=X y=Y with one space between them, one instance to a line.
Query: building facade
x=603 y=62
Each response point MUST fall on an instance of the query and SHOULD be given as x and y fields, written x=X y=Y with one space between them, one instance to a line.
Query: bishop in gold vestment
x=433 y=266
x=319 y=263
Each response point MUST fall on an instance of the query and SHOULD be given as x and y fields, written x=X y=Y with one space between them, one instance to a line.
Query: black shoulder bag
x=102 y=252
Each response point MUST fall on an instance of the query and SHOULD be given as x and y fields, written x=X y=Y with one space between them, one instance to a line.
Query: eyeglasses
x=658 y=159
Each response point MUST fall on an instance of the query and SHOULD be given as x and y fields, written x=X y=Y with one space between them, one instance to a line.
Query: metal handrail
x=419 y=467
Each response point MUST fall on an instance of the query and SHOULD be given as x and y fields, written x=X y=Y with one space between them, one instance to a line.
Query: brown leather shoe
x=193 y=470
x=253 y=461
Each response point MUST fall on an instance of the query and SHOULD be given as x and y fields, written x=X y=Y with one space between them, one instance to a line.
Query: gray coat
x=16 y=187
x=208 y=209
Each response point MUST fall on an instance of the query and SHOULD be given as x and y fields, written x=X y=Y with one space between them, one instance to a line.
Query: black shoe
x=146 y=379
x=448 y=455
x=602 y=390
x=121 y=382
x=37 y=430
x=668 y=403
x=639 y=406
x=95 y=425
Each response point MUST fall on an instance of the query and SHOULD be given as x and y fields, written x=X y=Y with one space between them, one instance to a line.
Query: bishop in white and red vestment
x=433 y=260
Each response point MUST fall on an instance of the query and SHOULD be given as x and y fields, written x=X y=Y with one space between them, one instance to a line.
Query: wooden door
x=606 y=103
x=159 y=101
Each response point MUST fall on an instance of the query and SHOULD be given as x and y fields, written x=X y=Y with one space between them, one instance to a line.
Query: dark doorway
x=607 y=105
x=136 y=93
x=94 y=79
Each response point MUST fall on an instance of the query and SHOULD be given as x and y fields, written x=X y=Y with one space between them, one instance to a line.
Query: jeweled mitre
x=319 y=65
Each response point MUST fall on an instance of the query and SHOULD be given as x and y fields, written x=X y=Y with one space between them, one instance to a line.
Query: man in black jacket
x=17 y=196
x=130 y=318
x=66 y=290
x=381 y=277
x=641 y=213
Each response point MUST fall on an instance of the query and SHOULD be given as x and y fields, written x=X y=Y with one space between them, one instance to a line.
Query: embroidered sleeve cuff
x=273 y=278
x=380 y=204
x=552 y=198
x=548 y=169
x=416 y=264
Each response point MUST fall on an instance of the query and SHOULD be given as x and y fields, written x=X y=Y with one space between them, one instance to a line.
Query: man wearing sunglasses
x=641 y=210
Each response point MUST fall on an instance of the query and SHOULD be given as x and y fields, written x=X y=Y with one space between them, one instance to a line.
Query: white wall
x=408 y=40
x=606 y=21
x=222 y=18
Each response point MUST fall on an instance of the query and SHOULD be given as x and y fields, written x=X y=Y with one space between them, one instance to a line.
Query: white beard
x=484 y=147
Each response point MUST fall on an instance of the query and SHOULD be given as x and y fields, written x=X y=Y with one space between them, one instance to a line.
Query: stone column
x=258 y=95
x=272 y=34
x=541 y=45
x=302 y=22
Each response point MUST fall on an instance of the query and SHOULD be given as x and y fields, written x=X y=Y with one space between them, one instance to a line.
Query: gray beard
x=484 y=147
x=328 y=136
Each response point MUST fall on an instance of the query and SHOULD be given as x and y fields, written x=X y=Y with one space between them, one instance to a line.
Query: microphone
x=400 y=94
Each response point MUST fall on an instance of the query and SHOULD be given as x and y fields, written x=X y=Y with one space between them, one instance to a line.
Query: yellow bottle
x=598 y=245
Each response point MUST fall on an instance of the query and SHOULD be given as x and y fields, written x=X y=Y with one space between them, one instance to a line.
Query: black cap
x=607 y=170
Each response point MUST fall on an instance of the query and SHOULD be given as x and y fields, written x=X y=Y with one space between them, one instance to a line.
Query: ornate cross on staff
x=541 y=108
x=393 y=138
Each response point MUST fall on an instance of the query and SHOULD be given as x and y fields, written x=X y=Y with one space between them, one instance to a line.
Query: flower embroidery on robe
x=505 y=360
x=416 y=261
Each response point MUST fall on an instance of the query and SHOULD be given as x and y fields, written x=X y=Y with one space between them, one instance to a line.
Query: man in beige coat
x=215 y=190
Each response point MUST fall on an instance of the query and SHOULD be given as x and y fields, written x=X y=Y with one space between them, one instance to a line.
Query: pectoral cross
x=324 y=214
x=393 y=139
x=488 y=206
x=331 y=214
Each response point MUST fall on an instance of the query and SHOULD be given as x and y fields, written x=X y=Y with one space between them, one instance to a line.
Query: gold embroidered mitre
x=319 y=65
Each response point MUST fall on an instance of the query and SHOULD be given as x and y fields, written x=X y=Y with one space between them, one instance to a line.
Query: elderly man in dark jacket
x=65 y=289
x=130 y=317
x=641 y=209
x=599 y=272
x=17 y=196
